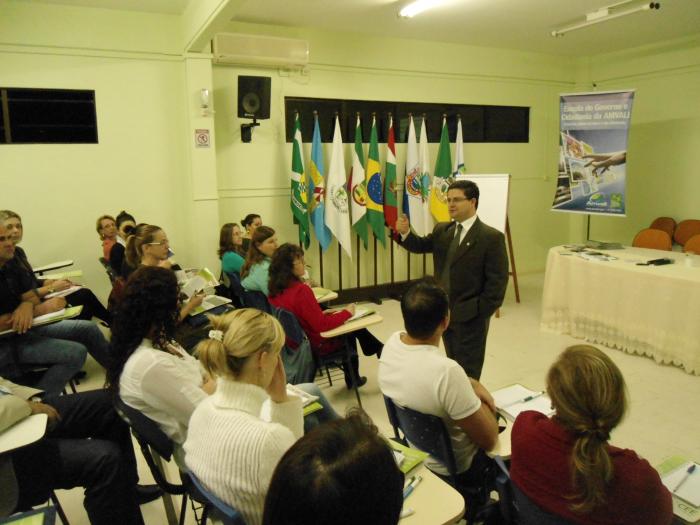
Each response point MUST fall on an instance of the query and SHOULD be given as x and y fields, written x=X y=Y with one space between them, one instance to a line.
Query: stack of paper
x=202 y=281
x=65 y=292
x=210 y=302
x=514 y=399
x=360 y=311
x=64 y=313
x=321 y=293
x=683 y=484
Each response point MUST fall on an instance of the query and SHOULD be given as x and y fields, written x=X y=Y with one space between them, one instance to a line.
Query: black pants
x=466 y=344
x=92 y=307
x=66 y=458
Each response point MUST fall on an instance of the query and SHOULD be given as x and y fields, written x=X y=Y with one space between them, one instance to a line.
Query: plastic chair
x=258 y=300
x=530 y=514
x=155 y=446
x=220 y=511
x=506 y=500
x=692 y=245
x=685 y=230
x=429 y=434
x=110 y=271
x=666 y=224
x=298 y=360
x=340 y=359
x=233 y=281
x=650 y=238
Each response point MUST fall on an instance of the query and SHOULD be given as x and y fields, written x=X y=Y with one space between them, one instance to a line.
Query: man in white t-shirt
x=415 y=374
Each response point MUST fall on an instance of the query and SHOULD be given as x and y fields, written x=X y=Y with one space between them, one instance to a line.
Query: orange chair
x=685 y=230
x=666 y=224
x=693 y=245
x=650 y=238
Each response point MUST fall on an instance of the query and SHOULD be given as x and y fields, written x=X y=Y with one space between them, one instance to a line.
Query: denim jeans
x=83 y=332
x=327 y=413
x=63 y=358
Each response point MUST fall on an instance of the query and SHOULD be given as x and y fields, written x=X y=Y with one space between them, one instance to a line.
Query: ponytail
x=588 y=394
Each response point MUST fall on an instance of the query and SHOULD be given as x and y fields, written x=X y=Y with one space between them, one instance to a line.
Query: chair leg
x=167 y=498
x=355 y=379
x=71 y=384
x=59 y=509
x=330 y=381
x=183 y=509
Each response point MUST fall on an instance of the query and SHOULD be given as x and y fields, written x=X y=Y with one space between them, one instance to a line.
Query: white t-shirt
x=164 y=386
x=421 y=378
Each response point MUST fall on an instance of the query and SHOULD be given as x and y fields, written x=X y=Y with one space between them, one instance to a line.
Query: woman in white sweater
x=229 y=447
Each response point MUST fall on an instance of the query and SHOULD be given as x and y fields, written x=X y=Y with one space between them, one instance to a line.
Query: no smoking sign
x=201 y=138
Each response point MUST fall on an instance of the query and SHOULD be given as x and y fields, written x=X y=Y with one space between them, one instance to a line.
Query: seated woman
x=92 y=307
x=342 y=473
x=231 y=248
x=125 y=224
x=148 y=245
x=255 y=271
x=229 y=447
x=289 y=292
x=564 y=464
x=250 y=222
x=107 y=230
x=150 y=371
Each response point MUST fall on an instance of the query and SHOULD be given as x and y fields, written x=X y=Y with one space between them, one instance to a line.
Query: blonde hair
x=142 y=234
x=6 y=215
x=589 y=395
x=99 y=224
x=245 y=332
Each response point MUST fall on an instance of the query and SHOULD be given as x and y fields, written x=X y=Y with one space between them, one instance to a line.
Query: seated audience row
x=231 y=248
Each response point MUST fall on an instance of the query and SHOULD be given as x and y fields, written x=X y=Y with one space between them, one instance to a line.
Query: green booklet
x=53 y=317
x=682 y=508
x=407 y=458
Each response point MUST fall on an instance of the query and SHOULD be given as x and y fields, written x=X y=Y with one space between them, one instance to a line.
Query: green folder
x=412 y=457
x=312 y=407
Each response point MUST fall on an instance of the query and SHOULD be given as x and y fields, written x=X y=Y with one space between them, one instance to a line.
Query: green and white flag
x=337 y=205
x=299 y=197
x=358 y=188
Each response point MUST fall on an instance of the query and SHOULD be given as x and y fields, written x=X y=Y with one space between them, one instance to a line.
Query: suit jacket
x=13 y=408
x=479 y=269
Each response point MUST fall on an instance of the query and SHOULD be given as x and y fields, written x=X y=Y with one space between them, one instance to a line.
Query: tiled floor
x=663 y=417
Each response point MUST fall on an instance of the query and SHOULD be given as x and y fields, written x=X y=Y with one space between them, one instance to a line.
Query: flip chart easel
x=493 y=210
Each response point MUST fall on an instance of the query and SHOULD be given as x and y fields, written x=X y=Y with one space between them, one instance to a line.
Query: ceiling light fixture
x=606 y=13
x=417 y=7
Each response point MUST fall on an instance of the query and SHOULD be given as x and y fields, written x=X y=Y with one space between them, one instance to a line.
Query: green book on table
x=407 y=458
x=53 y=317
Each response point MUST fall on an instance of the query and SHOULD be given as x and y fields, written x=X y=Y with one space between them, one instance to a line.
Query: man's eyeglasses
x=456 y=200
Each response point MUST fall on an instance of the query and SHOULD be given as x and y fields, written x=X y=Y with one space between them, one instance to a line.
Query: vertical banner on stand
x=593 y=133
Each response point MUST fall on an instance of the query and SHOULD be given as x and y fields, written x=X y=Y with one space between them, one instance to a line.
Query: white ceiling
x=510 y=24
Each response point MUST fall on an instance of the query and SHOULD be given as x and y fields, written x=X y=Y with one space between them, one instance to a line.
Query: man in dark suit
x=470 y=262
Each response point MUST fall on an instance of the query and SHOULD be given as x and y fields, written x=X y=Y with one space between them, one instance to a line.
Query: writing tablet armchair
x=651 y=238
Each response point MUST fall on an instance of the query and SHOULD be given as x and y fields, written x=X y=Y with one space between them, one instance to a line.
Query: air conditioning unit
x=257 y=50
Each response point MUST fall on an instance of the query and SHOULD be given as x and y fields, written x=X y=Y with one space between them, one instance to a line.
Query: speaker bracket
x=247 y=130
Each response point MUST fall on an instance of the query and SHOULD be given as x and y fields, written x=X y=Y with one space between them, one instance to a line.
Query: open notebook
x=210 y=302
x=60 y=315
x=360 y=312
x=514 y=399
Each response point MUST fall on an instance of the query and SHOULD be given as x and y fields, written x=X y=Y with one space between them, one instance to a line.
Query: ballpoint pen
x=411 y=486
x=525 y=399
x=688 y=472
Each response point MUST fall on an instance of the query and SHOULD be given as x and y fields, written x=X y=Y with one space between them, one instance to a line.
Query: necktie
x=451 y=250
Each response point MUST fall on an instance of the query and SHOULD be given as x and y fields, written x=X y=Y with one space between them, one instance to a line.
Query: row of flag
x=365 y=201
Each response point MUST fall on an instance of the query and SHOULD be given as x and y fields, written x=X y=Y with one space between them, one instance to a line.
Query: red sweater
x=541 y=469
x=299 y=299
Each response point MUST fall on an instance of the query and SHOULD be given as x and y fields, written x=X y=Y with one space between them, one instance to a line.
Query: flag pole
x=340 y=250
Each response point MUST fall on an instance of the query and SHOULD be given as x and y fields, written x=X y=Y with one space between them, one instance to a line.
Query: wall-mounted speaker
x=254 y=97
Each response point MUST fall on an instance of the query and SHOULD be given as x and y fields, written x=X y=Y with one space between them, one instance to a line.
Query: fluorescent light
x=604 y=14
x=417 y=7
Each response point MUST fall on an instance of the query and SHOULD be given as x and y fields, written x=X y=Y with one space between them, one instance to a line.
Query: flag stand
x=320 y=261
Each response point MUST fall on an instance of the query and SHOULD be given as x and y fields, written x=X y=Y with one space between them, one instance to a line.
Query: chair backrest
x=650 y=238
x=110 y=271
x=221 y=511
x=258 y=300
x=394 y=420
x=429 y=434
x=149 y=437
x=506 y=502
x=528 y=513
x=685 y=230
x=292 y=329
x=233 y=281
x=692 y=244
x=666 y=224
x=298 y=360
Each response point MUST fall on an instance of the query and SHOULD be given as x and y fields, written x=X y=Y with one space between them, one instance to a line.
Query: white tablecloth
x=645 y=310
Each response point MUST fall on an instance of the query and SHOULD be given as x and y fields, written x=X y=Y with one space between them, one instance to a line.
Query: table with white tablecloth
x=645 y=310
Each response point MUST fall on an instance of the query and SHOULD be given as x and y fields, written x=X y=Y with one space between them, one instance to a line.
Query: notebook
x=407 y=458
x=321 y=293
x=689 y=489
x=210 y=302
x=514 y=399
x=60 y=315
x=360 y=311
x=64 y=293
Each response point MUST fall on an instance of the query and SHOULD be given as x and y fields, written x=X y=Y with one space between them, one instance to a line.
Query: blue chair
x=528 y=513
x=233 y=281
x=506 y=501
x=429 y=434
x=299 y=364
x=213 y=506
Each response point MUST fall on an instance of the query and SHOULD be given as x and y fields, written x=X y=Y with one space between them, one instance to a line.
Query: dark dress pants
x=466 y=344
x=66 y=458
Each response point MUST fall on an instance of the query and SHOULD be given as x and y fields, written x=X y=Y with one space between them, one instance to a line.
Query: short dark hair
x=342 y=472
x=281 y=272
x=424 y=306
x=123 y=217
x=469 y=188
x=248 y=219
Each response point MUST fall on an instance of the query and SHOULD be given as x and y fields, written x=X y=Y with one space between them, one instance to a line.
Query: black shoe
x=147 y=493
x=360 y=381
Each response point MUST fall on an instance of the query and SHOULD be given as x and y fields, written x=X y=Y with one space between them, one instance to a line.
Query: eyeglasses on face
x=160 y=243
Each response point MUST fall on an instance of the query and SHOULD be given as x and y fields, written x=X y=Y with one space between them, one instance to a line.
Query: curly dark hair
x=149 y=308
x=282 y=268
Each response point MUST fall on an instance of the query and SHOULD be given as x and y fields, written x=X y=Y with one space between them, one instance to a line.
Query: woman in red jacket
x=565 y=465
x=288 y=291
